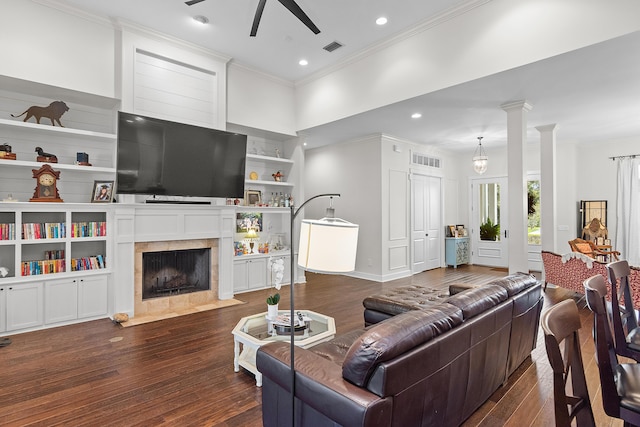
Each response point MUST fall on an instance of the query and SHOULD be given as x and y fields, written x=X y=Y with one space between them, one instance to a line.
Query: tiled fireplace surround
x=140 y=228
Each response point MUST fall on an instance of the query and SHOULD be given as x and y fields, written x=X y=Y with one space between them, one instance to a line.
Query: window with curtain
x=628 y=210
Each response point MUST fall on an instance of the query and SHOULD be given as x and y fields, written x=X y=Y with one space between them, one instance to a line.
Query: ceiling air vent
x=332 y=46
x=423 y=160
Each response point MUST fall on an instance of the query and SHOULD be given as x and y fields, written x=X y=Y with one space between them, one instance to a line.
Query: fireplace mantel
x=136 y=223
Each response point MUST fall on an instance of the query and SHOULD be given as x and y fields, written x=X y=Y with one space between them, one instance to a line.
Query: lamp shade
x=251 y=234
x=328 y=245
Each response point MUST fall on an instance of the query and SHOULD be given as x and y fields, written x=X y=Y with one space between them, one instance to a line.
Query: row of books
x=49 y=266
x=45 y=230
x=89 y=229
x=55 y=230
x=87 y=263
x=7 y=231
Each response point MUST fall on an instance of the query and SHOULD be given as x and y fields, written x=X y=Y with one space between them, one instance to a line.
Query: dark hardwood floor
x=180 y=371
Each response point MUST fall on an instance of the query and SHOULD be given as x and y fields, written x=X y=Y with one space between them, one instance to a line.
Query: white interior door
x=426 y=223
x=489 y=222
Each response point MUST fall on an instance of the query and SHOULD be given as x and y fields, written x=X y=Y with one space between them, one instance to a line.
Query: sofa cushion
x=516 y=283
x=395 y=336
x=477 y=300
x=404 y=298
x=336 y=349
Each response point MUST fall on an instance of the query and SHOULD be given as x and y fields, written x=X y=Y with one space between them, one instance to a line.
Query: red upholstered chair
x=624 y=316
x=561 y=323
x=620 y=383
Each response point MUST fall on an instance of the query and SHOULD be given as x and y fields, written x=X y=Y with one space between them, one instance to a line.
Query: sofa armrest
x=320 y=385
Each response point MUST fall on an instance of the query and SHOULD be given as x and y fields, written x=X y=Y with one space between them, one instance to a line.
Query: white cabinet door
x=249 y=274
x=93 y=296
x=24 y=306
x=60 y=300
x=3 y=308
x=257 y=273
x=240 y=276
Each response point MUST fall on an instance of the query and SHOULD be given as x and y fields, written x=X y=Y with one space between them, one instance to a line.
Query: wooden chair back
x=624 y=317
x=619 y=385
x=588 y=248
x=561 y=324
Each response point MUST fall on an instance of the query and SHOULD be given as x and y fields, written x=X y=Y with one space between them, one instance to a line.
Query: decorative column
x=548 y=204
x=517 y=185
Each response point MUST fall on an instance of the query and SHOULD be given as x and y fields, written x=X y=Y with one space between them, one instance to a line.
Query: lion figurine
x=53 y=112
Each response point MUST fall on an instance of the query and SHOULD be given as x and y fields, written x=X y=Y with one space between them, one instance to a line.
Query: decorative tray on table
x=282 y=324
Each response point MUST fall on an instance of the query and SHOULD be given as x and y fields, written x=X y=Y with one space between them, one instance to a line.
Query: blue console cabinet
x=456 y=251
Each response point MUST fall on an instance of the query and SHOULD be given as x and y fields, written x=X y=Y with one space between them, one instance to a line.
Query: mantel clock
x=46 y=185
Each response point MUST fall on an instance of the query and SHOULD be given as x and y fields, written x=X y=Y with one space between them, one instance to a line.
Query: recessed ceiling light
x=381 y=21
x=303 y=62
x=416 y=115
x=201 y=19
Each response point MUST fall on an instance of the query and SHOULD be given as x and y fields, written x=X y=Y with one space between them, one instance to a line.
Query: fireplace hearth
x=175 y=272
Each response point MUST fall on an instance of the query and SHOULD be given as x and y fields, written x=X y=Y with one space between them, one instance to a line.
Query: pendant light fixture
x=480 y=159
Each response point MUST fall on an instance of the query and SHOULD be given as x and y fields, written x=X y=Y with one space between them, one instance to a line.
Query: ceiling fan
x=289 y=4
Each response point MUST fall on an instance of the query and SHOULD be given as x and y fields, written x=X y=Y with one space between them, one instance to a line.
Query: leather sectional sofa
x=432 y=365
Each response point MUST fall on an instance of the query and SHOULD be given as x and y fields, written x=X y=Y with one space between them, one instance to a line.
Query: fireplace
x=166 y=273
x=173 y=275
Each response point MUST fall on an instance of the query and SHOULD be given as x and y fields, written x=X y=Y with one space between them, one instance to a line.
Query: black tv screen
x=160 y=157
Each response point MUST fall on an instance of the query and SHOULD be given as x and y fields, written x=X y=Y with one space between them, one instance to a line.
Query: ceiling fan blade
x=192 y=2
x=256 y=19
x=299 y=13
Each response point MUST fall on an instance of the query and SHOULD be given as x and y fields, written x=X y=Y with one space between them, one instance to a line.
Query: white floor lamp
x=327 y=245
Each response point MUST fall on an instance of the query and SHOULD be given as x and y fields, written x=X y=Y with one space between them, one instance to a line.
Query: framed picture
x=102 y=192
x=247 y=220
x=252 y=198
x=452 y=230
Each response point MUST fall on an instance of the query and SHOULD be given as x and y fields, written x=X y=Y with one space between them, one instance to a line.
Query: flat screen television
x=160 y=157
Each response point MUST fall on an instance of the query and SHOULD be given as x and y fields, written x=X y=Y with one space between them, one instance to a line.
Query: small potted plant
x=272 y=305
x=489 y=230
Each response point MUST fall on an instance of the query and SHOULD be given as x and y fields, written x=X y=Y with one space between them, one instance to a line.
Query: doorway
x=489 y=222
x=534 y=231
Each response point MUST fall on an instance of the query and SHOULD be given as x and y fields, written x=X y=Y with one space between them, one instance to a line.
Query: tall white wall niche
x=175 y=91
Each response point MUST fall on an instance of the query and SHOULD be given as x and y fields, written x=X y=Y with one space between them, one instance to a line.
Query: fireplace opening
x=175 y=272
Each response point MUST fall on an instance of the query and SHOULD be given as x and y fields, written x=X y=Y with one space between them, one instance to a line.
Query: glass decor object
x=480 y=159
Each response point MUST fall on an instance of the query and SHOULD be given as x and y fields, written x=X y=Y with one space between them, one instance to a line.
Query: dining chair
x=619 y=382
x=625 y=318
x=561 y=325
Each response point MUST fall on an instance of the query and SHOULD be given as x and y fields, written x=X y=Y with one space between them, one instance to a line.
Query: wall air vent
x=424 y=160
x=332 y=46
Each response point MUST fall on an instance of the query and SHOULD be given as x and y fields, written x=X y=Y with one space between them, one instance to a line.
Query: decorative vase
x=272 y=311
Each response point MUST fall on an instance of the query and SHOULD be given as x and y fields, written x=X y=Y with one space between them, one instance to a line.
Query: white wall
x=353 y=170
x=45 y=45
x=457 y=50
x=260 y=101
